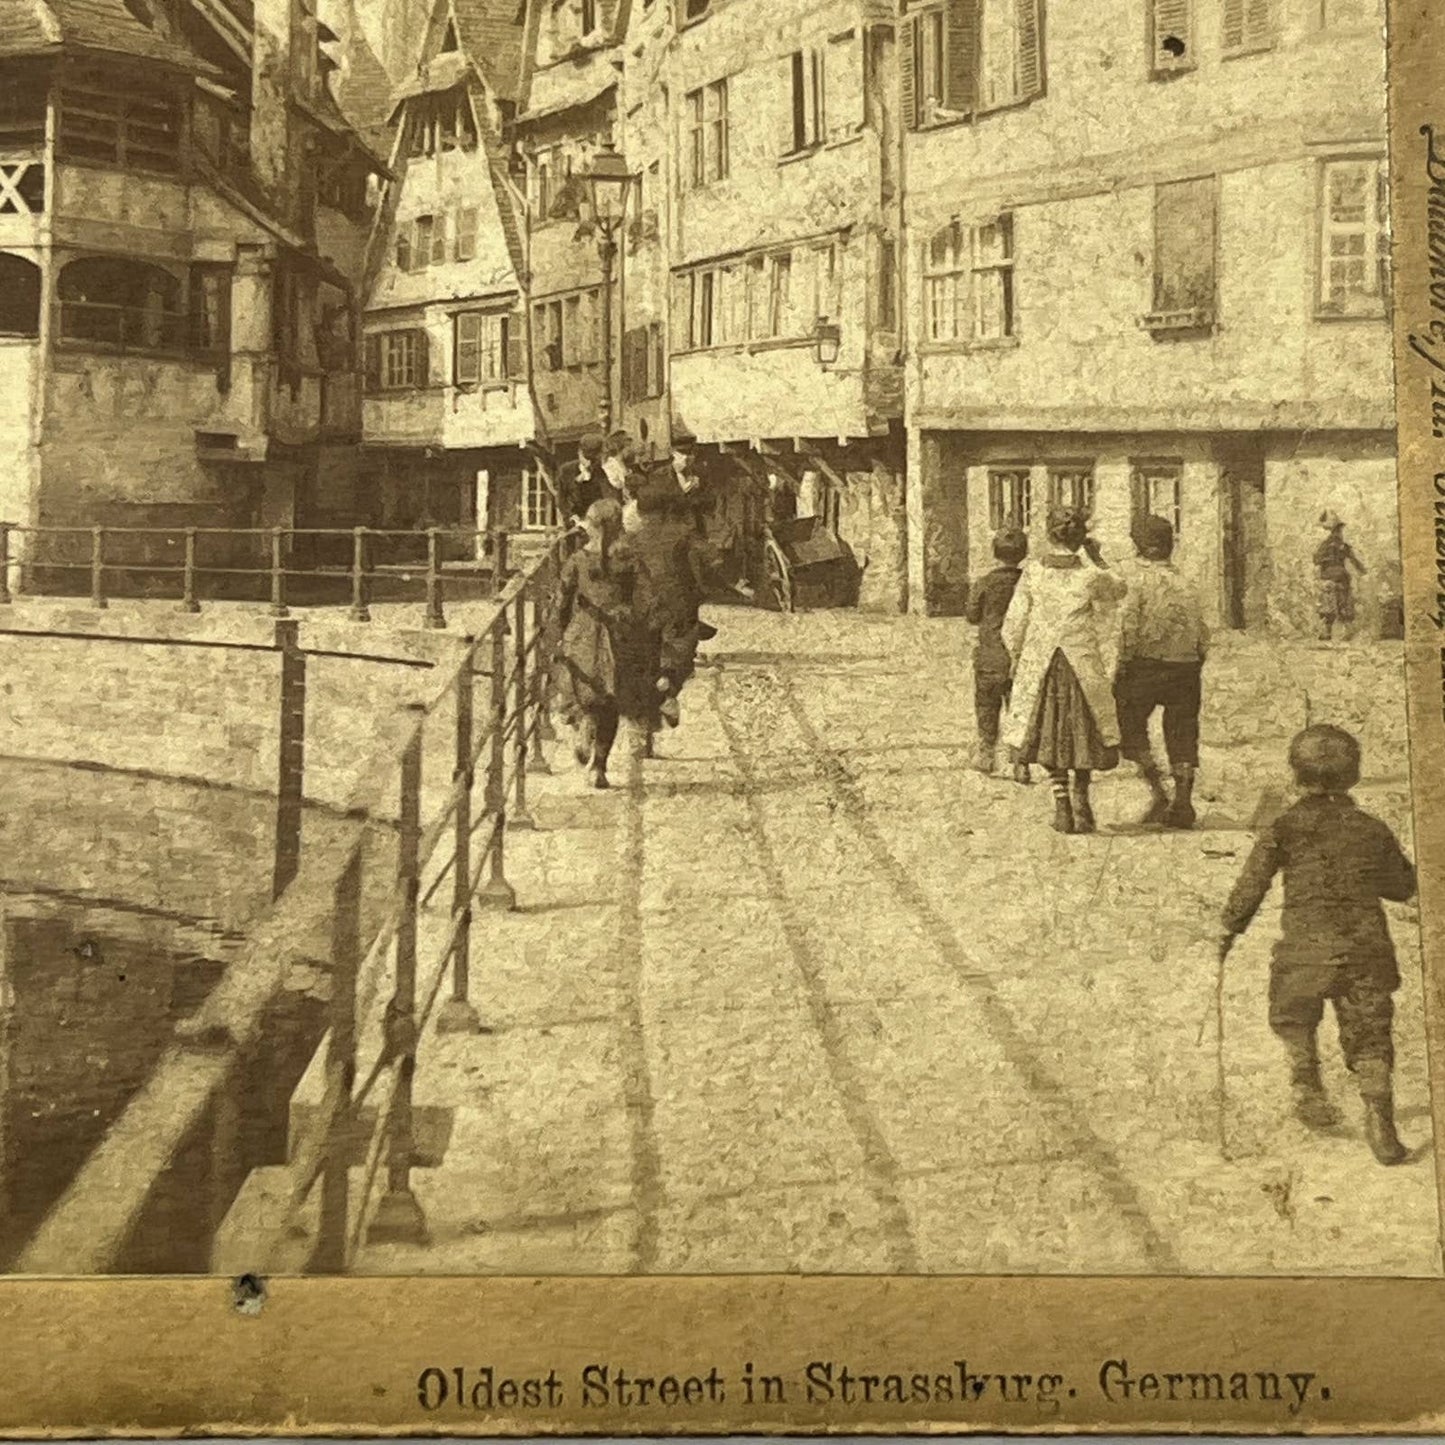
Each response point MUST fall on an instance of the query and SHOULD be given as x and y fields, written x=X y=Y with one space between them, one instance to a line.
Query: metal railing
x=283 y=565
x=438 y=801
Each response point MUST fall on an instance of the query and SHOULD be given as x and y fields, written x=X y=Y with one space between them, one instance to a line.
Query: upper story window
x=961 y=58
x=1157 y=490
x=397 y=360
x=1171 y=37
x=565 y=330
x=112 y=301
x=1249 y=26
x=808 y=113
x=1184 y=255
x=1349 y=14
x=968 y=282
x=1354 y=250
x=116 y=125
x=440 y=122
x=553 y=193
x=482 y=351
x=707 y=134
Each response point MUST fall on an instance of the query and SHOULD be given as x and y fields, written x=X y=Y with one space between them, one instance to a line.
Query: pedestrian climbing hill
x=803 y=992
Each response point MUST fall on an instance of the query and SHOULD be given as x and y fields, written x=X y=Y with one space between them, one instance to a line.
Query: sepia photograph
x=704 y=637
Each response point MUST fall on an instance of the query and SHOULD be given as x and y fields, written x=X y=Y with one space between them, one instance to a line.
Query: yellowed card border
x=171 y=1356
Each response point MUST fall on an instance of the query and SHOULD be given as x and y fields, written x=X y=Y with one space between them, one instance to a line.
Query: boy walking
x=992 y=668
x=1162 y=644
x=1338 y=862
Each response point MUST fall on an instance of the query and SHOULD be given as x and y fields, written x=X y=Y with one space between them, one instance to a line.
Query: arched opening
x=114 y=301
x=19 y=296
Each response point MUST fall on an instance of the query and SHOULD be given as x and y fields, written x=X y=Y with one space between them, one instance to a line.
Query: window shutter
x=1184 y=247
x=1233 y=36
x=797 y=126
x=820 y=97
x=1259 y=22
x=907 y=65
x=1031 y=48
x=403 y=246
x=439 y=240
x=516 y=343
x=373 y=363
x=423 y=359
x=963 y=23
x=1172 y=39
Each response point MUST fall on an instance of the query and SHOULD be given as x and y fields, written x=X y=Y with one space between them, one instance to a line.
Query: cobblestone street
x=806 y=993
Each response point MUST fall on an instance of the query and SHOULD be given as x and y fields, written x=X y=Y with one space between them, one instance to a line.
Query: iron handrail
x=492 y=757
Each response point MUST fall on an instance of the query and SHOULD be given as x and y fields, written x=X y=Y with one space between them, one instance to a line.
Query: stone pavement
x=805 y=993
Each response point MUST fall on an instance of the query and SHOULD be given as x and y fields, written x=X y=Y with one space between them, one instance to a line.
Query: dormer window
x=441 y=122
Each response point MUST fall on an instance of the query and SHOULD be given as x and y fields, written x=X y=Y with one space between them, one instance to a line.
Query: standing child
x=1338 y=862
x=1061 y=711
x=1333 y=559
x=1162 y=642
x=992 y=671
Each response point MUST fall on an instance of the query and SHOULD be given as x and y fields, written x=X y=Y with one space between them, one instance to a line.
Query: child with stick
x=1338 y=862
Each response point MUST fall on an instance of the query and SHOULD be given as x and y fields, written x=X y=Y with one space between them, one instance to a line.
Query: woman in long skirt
x=1061 y=713
x=605 y=667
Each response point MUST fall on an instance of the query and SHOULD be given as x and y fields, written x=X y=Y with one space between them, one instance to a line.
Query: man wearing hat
x=582 y=482
x=1333 y=559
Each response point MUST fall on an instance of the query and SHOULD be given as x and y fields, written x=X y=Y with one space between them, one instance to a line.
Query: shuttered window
x=967 y=57
x=1249 y=26
x=101 y=121
x=1184 y=271
x=808 y=121
x=481 y=348
x=1171 y=37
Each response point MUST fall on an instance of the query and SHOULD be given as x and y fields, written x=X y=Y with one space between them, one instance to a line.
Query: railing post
x=499 y=562
x=496 y=892
x=188 y=574
x=458 y=1015
x=399 y=1218
x=360 y=612
x=542 y=623
x=278 y=574
x=5 y=563
x=435 y=617
x=519 y=816
x=329 y=1256
x=290 y=756
x=97 y=567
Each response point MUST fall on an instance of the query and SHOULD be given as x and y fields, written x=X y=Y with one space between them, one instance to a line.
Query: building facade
x=450 y=425
x=1148 y=270
x=183 y=212
x=765 y=142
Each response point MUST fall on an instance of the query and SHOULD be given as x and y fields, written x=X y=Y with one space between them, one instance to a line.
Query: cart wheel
x=779 y=578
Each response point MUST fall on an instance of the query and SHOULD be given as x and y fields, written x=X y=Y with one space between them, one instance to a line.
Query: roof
x=29 y=27
x=489 y=32
x=363 y=88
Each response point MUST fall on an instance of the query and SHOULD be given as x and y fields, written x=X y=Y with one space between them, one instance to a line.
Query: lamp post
x=609 y=184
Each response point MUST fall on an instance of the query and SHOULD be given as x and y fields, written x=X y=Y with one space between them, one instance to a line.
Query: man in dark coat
x=582 y=482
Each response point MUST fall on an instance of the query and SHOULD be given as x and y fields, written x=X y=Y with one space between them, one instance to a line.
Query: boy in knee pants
x=1338 y=863
x=1162 y=644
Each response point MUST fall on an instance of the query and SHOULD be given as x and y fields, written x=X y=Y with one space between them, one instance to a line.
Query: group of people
x=629 y=597
x=1045 y=635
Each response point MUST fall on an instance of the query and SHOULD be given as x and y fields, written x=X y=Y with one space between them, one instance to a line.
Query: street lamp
x=609 y=184
x=826 y=339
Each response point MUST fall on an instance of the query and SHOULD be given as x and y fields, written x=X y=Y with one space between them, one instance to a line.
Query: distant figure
x=1061 y=710
x=1338 y=863
x=1162 y=643
x=1333 y=559
x=620 y=465
x=581 y=482
x=606 y=662
x=988 y=604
